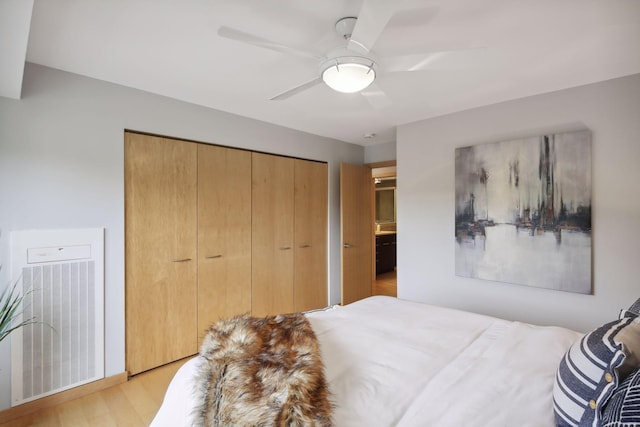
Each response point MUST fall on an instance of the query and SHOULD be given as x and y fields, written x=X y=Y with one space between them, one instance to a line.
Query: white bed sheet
x=397 y=363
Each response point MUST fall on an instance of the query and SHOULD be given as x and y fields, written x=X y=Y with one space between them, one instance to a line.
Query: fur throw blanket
x=264 y=372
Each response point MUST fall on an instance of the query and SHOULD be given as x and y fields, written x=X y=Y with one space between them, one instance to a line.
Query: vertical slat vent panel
x=60 y=351
x=61 y=275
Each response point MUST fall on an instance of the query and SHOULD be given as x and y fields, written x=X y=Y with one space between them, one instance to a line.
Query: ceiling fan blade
x=435 y=59
x=290 y=92
x=372 y=19
x=376 y=97
x=427 y=48
x=241 y=36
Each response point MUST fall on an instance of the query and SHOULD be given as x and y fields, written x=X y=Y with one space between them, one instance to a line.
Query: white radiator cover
x=62 y=272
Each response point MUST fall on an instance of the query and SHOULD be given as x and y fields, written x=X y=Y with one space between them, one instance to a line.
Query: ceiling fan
x=350 y=68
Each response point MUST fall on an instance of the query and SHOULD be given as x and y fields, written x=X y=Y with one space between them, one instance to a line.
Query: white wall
x=61 y=166
x=425 y=160
x=380 y=152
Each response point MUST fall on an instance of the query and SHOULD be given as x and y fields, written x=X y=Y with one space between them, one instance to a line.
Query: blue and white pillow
x=633 y=311
x=593 y=368
x=623 y=408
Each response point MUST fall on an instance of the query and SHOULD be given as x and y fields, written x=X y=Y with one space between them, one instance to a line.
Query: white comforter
x=396 y=363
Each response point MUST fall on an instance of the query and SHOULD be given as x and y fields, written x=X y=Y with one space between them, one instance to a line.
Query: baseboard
x=62 y=397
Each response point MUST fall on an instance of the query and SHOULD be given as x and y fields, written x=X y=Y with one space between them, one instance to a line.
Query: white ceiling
x=497 y=50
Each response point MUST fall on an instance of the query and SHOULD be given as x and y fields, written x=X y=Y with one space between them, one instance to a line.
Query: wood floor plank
x=105 y=420
x=46 y=417
x=156 y=383
x=131 y=404
x=94 y=406
x=72 y=414
x=145 y=405
x=21 y=422
x=386 y=284
x=121 y=409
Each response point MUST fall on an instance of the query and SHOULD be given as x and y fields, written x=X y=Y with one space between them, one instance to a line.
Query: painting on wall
x=523 y=211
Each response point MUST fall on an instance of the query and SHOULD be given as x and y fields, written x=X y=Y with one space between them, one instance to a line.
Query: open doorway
x=359 y=232
x=384 y=214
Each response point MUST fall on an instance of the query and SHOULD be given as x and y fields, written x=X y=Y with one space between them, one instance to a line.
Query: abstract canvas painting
x=523 y=211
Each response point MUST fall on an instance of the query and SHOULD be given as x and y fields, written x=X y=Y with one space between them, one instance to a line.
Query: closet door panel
x=272 y=234
x=311 y=211
x=160 y=250
x=224 y=234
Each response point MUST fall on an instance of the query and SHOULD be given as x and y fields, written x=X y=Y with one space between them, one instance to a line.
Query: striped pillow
x=592 y=369
x=623 y=408
x=633 y=311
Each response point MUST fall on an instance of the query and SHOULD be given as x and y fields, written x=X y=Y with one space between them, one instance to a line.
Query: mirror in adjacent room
x=385 y=200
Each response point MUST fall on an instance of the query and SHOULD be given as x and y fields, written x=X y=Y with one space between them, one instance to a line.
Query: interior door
x=224 y=234
x=356 y=227
x=160 y=250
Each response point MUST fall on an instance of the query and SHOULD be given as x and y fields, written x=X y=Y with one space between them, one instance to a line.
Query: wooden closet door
x=224 y=234
x=311 y=211
x=272 y=235
x=160 y=250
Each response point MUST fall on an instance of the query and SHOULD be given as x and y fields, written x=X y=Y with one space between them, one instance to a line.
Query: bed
x=390 y=362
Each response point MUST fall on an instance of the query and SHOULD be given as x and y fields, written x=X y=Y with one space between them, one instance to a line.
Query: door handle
x=285 y=248
x=346 y=246
x=182 y=260
x=305 y=246
x=213 y=256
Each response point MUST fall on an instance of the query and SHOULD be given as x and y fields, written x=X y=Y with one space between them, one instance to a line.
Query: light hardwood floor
x=131 y=404
x=386 y=284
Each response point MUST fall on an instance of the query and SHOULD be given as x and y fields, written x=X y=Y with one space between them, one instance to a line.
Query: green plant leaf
x=10 y=302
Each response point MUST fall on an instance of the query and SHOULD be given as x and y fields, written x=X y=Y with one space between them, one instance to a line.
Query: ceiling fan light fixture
x=348 y=74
